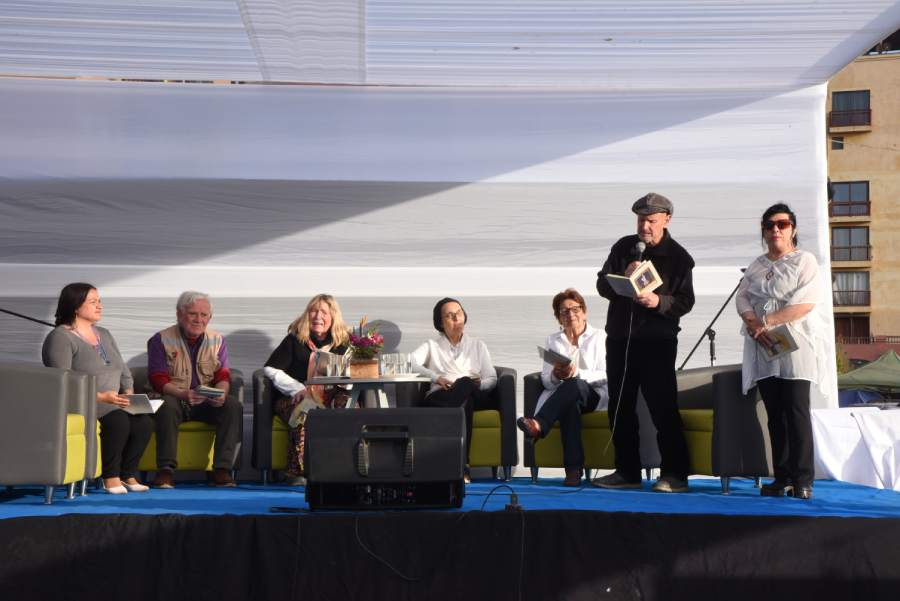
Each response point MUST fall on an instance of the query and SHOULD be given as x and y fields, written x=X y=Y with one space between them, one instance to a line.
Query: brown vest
x=178 y=356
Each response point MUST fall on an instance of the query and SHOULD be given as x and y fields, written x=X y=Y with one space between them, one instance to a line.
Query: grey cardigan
x=64 y=349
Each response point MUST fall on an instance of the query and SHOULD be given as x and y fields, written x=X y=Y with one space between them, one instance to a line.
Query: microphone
x=639 y=249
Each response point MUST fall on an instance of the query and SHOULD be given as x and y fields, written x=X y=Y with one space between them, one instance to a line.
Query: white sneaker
x=116 y=490
x=136 y=487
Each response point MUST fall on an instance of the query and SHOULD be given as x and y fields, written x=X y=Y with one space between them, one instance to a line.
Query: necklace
x=97 y=347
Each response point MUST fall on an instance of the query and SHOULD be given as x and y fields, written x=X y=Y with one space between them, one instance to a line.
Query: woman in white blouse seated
x=779 y=291
x=573 y=388
x=458 y=366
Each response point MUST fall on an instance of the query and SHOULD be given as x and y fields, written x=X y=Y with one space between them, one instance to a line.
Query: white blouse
x=772 y=285
x=590 y=358
x=470 y=357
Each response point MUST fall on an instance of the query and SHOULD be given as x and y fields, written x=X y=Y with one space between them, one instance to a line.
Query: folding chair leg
x=493 y=472
x=83 y=488
x=70 y=490
x=534 y=475
x=48 y=495
x=264 y=476
x=507 y=473
x=726 y=481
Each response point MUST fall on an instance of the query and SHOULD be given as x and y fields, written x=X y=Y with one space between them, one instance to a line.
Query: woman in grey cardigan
x=78 y=343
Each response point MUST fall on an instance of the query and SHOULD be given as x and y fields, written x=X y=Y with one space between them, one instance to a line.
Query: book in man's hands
x=210 y=392
x=643 y=279
x=783 y=344
x=141 y=403
x=552 y=357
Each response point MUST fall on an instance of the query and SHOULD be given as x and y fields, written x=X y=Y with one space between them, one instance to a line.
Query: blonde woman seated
x=319 y=328
x=458 y=366
x=570 y=389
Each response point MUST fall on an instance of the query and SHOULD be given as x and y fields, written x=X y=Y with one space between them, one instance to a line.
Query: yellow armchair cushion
x=280 y=442
x=697 y=419
x=74 y=424
x=595 y=436
x=486 y=437
x=76 y=448
x=195 y=448
x=487 y=418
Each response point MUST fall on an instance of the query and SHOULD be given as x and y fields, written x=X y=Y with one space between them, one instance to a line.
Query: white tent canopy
x=493 y=154
x=649 y=44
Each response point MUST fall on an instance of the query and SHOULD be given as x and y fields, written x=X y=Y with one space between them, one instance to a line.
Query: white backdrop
x=259 y=192
x=488 y=150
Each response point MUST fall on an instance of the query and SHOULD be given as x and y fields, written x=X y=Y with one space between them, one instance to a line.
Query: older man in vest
x=180 y=359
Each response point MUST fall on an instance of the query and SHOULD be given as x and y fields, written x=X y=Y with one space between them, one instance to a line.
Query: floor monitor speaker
x=385 y=458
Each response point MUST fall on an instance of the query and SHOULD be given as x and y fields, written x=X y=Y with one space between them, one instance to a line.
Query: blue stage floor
x=830 y=499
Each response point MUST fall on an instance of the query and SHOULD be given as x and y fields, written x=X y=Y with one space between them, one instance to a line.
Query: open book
x=552 y=357
x=643 y=279
x=141 y=403
x=210 y=392
x=784 y=343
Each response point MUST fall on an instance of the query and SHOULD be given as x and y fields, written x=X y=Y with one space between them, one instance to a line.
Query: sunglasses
x=781 y=224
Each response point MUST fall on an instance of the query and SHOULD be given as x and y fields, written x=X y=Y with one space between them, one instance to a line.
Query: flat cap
x=652 y=203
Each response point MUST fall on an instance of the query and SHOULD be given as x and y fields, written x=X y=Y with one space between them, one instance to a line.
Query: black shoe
x=616 y=480
x=670 y=484
x=776 y=488
x=802 y=492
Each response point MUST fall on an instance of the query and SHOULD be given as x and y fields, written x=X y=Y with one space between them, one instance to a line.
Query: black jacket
x=676 y=295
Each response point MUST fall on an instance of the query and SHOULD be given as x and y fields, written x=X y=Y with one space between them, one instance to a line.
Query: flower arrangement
x=365 y=344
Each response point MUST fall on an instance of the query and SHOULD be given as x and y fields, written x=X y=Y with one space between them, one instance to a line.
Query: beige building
x=864 y=169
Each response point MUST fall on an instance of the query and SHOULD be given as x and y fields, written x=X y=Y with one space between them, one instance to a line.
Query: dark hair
x=780 y=208
x=70 y=298
x=436 y=315
x=567 y=294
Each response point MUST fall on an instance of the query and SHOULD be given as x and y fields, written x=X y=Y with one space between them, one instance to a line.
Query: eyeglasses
x=781 y=224
x=570 y=310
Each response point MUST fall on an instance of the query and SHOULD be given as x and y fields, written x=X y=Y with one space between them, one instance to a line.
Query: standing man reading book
x=182 y=359
x=641 y=344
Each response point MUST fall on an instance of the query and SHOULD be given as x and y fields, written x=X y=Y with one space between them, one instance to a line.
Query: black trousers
x=790 y=428
x=466 y=394
x=227 y=420
x=123 y=438
x=573 y=397
x=650 y=367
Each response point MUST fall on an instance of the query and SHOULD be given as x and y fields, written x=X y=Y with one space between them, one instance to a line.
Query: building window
x=849 y=199
x=850 y=244
x=852 y=329
x=851 y=289
x=837 y=142
x=850 y=109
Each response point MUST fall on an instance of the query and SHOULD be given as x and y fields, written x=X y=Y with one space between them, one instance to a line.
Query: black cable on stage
x=40 y=321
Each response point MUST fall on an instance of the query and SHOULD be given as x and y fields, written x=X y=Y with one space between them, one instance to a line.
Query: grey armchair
x=47 y=422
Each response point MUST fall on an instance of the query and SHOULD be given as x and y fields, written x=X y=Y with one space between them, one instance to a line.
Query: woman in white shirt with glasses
x=570 y=389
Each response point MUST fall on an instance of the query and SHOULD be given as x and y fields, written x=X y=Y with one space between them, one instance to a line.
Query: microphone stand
x=41 y=321
x=711 y=332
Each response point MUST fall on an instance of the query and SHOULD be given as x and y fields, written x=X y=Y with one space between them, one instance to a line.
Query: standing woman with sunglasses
x=779 y=291
x=79 y=343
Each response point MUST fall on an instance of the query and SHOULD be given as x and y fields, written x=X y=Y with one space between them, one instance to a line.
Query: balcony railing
x=851 y=253
x=851 y=298
x=837 y=208
x=869 y=339
x=850 y=118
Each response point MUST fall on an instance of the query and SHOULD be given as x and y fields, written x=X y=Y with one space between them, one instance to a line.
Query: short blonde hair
x=339 y=331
